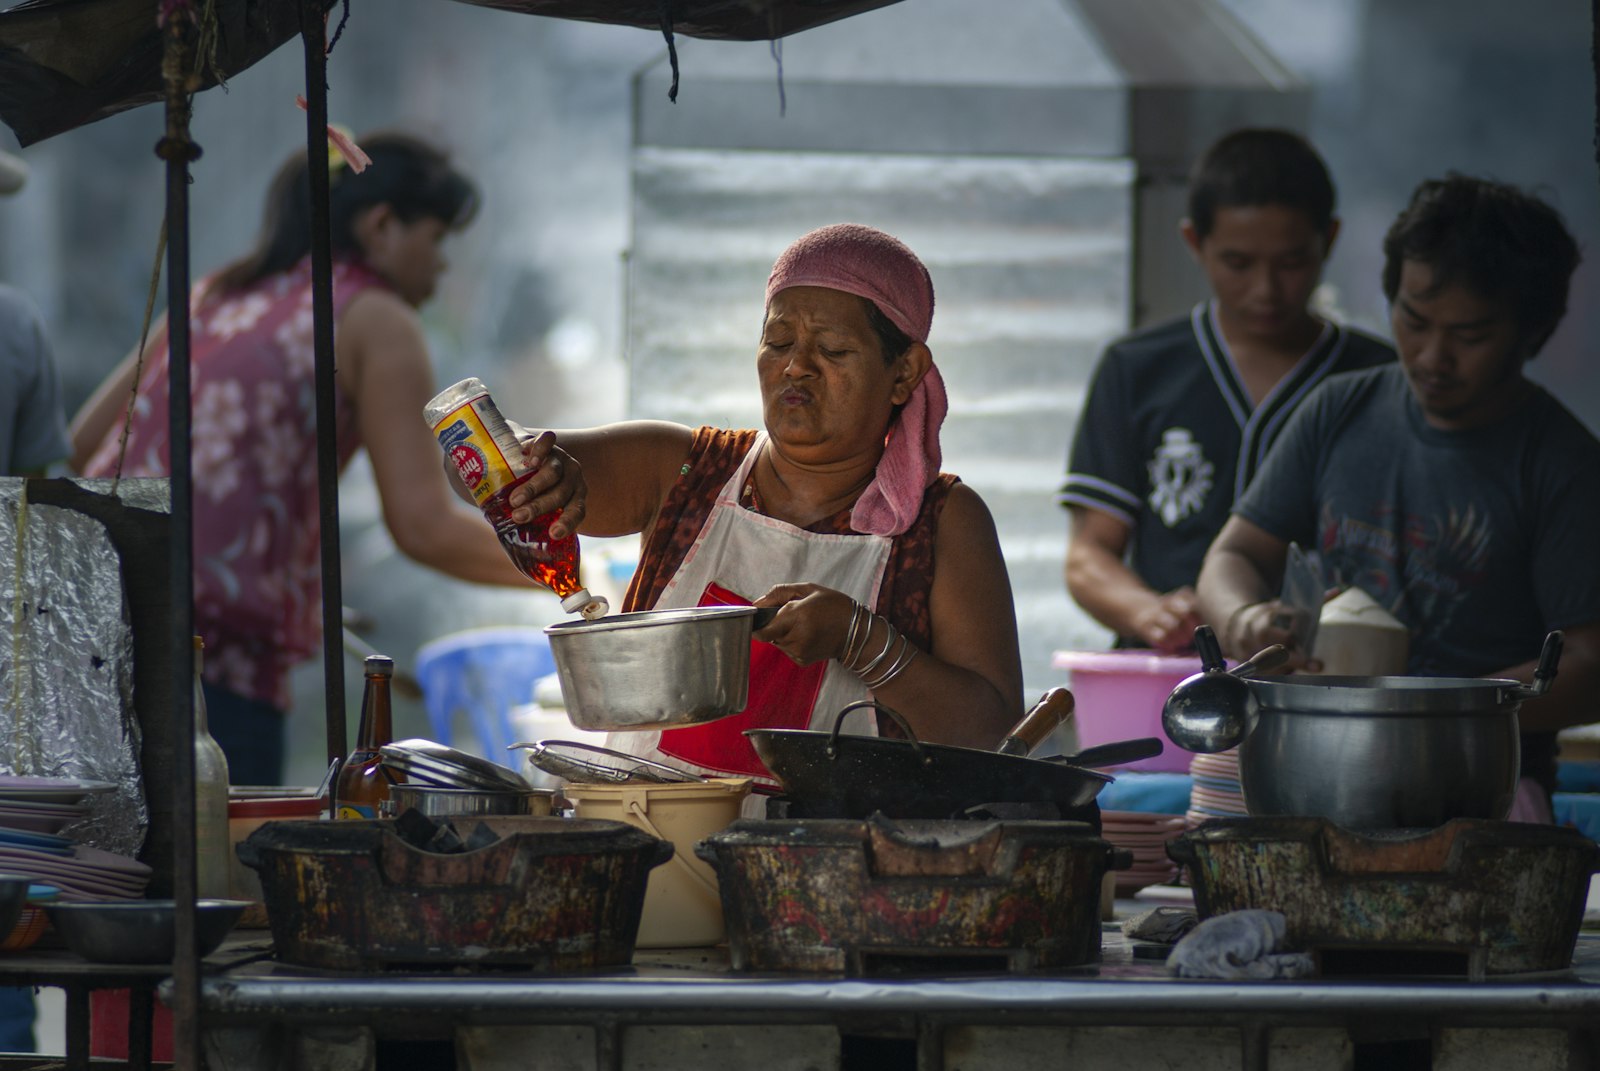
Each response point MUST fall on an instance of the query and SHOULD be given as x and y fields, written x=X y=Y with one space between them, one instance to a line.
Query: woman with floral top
x=257 y=579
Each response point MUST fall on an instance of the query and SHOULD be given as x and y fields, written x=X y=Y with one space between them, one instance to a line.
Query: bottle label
x=478 y=453
x=355 y=810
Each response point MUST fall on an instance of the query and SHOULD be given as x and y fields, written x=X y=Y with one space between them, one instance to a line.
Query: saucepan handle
x=763 y=618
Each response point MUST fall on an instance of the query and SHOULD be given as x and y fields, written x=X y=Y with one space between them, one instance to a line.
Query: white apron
x=747 y=553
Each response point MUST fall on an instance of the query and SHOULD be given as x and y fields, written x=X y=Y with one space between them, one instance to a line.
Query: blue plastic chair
x=484 y=673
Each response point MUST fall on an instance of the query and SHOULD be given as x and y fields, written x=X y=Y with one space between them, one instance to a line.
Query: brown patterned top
x=714 y=455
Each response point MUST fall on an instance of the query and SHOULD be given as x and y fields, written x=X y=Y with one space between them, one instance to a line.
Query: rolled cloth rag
x=879 y=267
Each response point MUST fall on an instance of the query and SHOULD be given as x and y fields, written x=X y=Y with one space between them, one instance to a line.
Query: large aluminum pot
x=1386 y=752
x=655 y=669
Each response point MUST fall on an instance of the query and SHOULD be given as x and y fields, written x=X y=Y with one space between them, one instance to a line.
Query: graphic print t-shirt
x=1169 y=437
x=1478 y=541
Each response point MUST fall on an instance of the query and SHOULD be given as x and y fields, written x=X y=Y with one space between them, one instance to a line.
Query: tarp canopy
x=64 y=63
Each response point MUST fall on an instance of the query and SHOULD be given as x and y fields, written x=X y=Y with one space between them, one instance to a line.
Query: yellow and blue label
x=483 y=466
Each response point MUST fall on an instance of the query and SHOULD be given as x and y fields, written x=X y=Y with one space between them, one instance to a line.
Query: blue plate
x=39 y=842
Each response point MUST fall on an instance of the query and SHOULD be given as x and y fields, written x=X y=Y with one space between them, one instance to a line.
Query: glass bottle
x=486 y=454
x=212 y=844
x=364 y=780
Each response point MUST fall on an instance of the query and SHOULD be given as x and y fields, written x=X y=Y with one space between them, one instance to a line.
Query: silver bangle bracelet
x=908 y=652
x=861 y=629
x=850 y=636
x=888 y=644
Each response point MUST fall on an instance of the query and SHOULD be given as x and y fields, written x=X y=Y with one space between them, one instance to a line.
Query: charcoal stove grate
x=1469 y=898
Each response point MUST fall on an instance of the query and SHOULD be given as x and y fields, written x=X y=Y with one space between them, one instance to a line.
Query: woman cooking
x=888 y=573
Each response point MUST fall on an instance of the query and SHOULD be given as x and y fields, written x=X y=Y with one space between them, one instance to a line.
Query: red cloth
x=781 y=697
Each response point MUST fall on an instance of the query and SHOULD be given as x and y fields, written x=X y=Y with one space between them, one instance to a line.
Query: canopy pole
x=313 y=31
x=180 y=31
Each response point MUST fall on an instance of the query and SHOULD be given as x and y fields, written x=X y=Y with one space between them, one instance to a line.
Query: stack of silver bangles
x=861 y=621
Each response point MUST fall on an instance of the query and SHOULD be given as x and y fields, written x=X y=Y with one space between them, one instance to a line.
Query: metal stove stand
x=688 y=1009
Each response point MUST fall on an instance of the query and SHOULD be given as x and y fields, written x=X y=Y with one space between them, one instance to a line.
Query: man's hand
x=1167 y=624
x=1262 y=624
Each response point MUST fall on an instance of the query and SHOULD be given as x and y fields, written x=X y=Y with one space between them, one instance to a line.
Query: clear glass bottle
x=211 y=841
x=486 y=454
x=364 y=780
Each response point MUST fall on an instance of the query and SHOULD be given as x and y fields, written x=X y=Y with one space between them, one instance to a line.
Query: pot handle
x=687 y=865
x=898 y=718
x=1181 y=850
x=1545 y=673
x=1118 y=858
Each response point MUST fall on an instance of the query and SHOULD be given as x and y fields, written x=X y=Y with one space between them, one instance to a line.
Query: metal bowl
x=139 y=931
x=436 y=802
x=655 y=669
x=1382 y=752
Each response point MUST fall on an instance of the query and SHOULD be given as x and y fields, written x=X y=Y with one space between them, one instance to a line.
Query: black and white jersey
x=1168 y=437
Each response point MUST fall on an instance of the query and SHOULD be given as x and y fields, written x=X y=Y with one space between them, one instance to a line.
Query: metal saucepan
x=656 y=669
x=853 y=776
x=1388 y=752
x=1212 y=710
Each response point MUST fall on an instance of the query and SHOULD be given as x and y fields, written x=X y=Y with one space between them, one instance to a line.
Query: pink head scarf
x=879 y=267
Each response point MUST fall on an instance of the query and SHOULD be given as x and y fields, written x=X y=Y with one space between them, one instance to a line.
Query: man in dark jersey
x=1179 y=416
x=1461 y=496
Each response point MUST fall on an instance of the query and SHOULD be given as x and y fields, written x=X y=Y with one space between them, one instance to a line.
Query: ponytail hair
x=415 y=179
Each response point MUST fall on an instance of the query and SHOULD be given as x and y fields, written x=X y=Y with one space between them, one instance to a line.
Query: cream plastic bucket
x=682 y=905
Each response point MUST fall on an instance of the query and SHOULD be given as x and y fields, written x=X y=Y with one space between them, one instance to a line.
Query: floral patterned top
x=714 y=455
x=257 y=574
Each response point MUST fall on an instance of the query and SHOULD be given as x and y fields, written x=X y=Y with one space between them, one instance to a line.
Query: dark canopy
x=64 y=63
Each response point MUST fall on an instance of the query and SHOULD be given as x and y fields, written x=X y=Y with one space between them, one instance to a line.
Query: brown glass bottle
x=364 y=780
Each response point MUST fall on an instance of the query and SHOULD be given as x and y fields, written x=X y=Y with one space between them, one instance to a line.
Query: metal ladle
x=1212 y=710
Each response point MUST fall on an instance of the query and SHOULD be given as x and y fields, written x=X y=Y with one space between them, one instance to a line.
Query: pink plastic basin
x=1119 y=696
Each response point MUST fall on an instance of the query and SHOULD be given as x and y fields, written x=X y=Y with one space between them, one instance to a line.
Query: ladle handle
x=1053 y=709
x=1545 y=673
x=1263 y=661
x=1205 y=642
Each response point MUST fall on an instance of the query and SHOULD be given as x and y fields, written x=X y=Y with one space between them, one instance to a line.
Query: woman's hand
x=557 y=483
x=812 y=624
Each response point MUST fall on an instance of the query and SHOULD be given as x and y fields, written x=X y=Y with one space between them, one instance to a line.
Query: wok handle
x=1053 y=709
x=899 y=719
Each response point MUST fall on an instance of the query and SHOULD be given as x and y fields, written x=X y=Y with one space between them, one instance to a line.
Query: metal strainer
x=587 y=764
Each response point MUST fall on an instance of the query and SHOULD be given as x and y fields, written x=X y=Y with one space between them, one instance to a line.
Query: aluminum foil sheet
x=66 y=657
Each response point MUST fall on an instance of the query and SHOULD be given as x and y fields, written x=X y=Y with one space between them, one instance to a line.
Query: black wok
x=837 y=775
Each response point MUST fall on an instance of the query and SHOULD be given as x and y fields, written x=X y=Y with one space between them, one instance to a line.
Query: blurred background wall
x=541 y=112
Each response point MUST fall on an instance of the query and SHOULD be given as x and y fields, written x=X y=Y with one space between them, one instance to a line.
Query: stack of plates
x=32 y=811
x=1145 y=835
x=1215 y=792
x=45 y=804
x=83 y=873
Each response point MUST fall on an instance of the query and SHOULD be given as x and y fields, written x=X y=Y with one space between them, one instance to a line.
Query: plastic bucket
x=1119 y=696
x=682 y=906
x=249 y=809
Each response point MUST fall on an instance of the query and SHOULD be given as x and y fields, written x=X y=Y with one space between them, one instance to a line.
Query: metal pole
x=313 y=31
x=178 y=151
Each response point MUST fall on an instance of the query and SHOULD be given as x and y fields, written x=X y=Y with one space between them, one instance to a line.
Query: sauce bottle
x=364 y=780
x=212 y=843
x=486 y=454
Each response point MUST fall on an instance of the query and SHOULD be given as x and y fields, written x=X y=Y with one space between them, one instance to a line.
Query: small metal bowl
x=139 y=931
x=655 y=669
x=437 y=802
